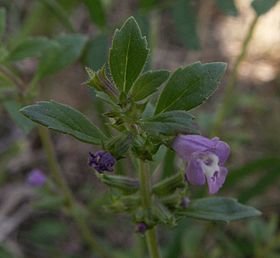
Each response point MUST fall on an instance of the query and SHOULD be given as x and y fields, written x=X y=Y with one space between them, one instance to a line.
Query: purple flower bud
x=141 y=228
x=185 y=202
x=101 y=161
x=36 y=178
x=206 y=158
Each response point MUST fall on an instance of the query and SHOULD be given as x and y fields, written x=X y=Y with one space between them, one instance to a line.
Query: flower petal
x=222 y=175
x=194 y=173
x=186 y=145
x=222 y=150
x=216 y=182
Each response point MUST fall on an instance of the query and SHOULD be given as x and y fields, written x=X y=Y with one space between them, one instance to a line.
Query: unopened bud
x=101 y=82
x=101 y=161
x=141 y=228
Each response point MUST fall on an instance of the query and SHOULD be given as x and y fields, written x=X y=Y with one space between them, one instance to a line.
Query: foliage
x=137 y=114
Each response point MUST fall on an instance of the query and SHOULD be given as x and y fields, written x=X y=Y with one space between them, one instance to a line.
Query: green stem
x=227 y=99
x=145 y=190
x=32 y=88
x=13 y=78
x=68 y=195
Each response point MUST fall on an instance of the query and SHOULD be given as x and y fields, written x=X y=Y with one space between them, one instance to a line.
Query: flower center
x=210 y=165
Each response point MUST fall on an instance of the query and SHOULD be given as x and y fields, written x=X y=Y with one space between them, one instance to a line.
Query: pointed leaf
x=171 y=123
x=96 y=52
x=190 y=86
x=57 y=9
x=64 y=119
x=218 y=209
x=263 y=6
x=148 y=83
x=66 y=52
x=30 y=47
x=128 y=55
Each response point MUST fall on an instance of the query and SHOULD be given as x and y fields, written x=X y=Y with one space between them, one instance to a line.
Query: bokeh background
x=33 y=223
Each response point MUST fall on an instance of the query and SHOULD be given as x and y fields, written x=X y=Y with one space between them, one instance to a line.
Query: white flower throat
x=210 y=165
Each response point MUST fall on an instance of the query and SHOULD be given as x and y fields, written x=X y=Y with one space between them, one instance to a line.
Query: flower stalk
x=227 y=99
x=145 y=192
x=68 y=195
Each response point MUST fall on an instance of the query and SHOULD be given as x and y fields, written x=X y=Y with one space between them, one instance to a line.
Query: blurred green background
x=46 y=44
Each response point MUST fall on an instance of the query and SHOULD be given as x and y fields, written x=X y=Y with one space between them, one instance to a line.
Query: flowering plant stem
x=227 y=99
x=145 y=190
x=68 y=195
x=56 y=172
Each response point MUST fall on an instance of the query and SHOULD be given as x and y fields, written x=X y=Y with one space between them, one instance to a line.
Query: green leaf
x=263 y=6
x=128 y=55
x=184 y=17
x=148 y=83
x=66 y=52
x=228 y=7
x=218 y=209
x=96 y=11
x=96 y=52
x=64 y=119
x=190 y=86
x=22 y=122
x=59 y=12
x=2 y=22
x=171 y=123
x=30 y=47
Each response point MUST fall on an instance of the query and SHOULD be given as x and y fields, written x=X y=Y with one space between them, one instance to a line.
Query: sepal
x=119 y=145
x=125 y=184
x=169 y=185
x=127 y=203
x=162 y=214
x=174 y=200
x=144 y=148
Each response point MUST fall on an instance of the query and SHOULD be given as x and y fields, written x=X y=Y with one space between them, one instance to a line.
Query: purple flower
x=101 y=161
x=36 y=178
x=141 y=228
x=206 y=159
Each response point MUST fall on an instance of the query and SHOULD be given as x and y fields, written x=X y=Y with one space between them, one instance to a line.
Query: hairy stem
x=145 y=190
x=68 y=195
x=229 y=88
